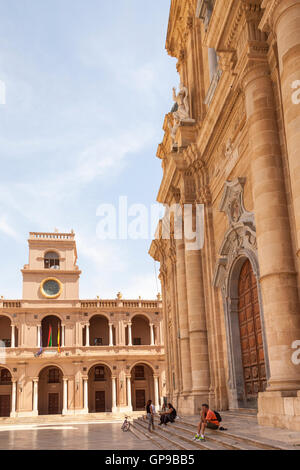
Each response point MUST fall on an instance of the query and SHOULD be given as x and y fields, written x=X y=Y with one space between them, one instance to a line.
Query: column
x=129 y=334
x=156 y=392
x=35 y=395
x=38 y=344
x=183 y=318
x=197 y=321
x=85 y=395
x=129 y=401
x=111 y=337
x=152 y=334
x=13 y=336
x=13 y=398
x=65 y=396
x=286 y=20
x=114 y=394
x=87 y=335
x=278 y=277
x=63 y=336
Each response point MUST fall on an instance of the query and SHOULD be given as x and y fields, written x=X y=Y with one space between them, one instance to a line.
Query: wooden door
x=4 y=406
x=251 y=334
x=100 y=401
x=140 y=399
x=53 y=404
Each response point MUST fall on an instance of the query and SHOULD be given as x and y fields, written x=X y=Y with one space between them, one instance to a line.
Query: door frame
x=104 y=393
x=237 y=398
x=9 y=408
x=48 y=403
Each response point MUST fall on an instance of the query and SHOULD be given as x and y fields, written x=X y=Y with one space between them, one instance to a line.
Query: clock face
x=51 y=288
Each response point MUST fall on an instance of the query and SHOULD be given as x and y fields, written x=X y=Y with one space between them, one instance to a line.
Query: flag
x=58 y=339
x=40 y=352
x=49 y=344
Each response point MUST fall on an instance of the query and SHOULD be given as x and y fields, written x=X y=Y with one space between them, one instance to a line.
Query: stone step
x=259 y=442
x=222 y=440
x=170 y=441
x=171 y=434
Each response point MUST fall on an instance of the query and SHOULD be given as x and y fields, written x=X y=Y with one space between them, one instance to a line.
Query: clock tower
x=52 y=274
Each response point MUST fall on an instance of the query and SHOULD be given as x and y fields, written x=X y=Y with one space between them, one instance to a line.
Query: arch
x=5 y=366
x=140 y=327
x=100 y=388
x=49 y=314
x=96 y=363
x=142 y=385
x=99 y=330
x=50 y=390
x=51 y=259
x=143 y=362
x=53 y=324
x=141 y=314
x=6 y=324
x=102 y=314
x=5 y=392
x=52 y=364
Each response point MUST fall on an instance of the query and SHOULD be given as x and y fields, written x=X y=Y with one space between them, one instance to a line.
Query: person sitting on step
x=209 y=419
x=169 y=416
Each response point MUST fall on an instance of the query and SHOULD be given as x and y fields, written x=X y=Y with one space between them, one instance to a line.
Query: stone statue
x=181 y=110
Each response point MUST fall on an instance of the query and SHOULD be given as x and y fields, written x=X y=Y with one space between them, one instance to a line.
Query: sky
x=87 y=86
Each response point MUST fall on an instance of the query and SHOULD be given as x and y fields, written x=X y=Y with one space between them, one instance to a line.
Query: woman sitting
x=169 y=416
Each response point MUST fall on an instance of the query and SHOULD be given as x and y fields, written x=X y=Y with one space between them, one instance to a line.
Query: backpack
x=218 y=416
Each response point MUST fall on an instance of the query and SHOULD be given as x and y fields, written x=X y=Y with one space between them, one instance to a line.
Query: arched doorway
x=51 y=331
x=99 y=331
x=251 y=335
x=140 y=331
x=100 y=389
x=142 y=386
x=6 y=340
x=50 y=394
x=5 y=392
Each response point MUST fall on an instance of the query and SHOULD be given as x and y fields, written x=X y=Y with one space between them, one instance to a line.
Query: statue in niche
x=181 y=99
x=180 y=111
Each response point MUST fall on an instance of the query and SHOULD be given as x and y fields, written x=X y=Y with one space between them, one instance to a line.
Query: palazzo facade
x=231 y=144
x=63 y=355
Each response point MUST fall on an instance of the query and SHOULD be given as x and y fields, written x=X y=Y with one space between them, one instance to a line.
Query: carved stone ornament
x=240 y=238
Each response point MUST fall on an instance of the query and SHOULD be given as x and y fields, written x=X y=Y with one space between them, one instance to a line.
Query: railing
x=51 y=236
x=12 y=304
x=87 y=304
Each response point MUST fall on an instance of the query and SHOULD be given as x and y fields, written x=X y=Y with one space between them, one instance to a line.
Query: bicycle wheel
x=126 y=427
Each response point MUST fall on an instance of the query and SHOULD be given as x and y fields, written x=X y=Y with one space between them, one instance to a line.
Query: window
x=137 y=341
x=98 y=342
x=53 y=376
x=51 y=260
x=5 y=377
x=139 y=373
x=99 y=374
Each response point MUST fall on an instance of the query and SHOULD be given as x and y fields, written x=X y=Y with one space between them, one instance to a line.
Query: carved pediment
x=241 y=235
x=233 y=203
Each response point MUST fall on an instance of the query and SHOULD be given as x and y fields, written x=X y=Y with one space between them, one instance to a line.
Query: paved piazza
x=70 y=437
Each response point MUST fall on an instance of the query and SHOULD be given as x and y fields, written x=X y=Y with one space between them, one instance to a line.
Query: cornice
x=181 y=22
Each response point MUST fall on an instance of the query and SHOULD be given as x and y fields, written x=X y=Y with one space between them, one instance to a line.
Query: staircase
x=179 y=435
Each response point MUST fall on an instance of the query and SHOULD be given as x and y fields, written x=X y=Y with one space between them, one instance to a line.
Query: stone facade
x=231 y=309
x=64 y=355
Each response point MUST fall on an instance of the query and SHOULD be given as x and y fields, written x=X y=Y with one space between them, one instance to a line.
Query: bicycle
x=126 y=425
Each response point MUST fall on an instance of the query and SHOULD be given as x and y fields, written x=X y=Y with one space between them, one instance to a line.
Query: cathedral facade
x=231 y=146
x=62 y=355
